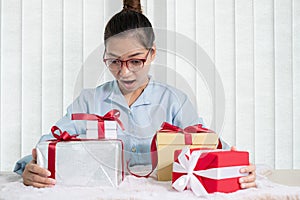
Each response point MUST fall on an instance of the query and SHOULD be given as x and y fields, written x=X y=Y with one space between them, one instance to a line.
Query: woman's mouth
x=128 y=83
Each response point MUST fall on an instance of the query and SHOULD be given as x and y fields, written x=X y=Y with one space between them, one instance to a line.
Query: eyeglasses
x=134 y=64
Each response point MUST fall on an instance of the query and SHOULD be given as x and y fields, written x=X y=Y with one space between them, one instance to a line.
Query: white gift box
x=85 y=163
x=110 y=129
x=110 y=125
x=93 y=134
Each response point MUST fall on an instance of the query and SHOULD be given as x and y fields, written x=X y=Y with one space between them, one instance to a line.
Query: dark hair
x=131 y=20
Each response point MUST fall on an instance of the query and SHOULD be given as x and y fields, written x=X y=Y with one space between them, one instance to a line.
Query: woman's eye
x=136 y=62
x=115 y=61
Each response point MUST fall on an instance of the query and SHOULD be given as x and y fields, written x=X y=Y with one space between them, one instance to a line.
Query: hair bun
x=134 y=5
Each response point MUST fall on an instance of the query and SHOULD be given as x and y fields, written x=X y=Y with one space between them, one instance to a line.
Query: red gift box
x=208 y=171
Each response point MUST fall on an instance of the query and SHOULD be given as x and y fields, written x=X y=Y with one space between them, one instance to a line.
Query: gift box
x=79 y=162
x=171 y=138
x=110 y=129
x=208 y=171
x=100 y=127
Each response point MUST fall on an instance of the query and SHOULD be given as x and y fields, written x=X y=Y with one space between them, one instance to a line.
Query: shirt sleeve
x=20 y=164
x=187 y=116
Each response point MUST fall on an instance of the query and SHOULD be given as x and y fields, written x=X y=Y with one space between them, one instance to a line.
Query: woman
x=143 y=103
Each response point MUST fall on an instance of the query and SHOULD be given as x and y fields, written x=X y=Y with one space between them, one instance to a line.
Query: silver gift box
x=85 y=163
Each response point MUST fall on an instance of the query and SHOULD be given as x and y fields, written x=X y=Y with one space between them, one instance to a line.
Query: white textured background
x=255 y=45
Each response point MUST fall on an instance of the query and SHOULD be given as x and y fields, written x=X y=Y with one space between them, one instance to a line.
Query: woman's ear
x=153 y=52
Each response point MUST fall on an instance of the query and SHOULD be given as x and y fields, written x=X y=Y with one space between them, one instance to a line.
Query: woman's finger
x=41 y=185
x=248 y=179
x=233 y=148
x=248 y=185
x=34 y=168
x=34 y=154
x=251 y=168
x=35 y=179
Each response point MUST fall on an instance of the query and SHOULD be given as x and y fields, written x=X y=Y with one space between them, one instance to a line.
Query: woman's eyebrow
x=135 y=54
x=112 y=54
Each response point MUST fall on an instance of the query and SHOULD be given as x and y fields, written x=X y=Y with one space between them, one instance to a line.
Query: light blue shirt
x=158 y=103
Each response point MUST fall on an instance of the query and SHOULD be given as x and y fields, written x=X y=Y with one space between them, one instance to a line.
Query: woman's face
x=125 y=48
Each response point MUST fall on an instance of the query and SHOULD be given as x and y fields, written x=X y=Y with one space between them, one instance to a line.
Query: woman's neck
x=133 y=96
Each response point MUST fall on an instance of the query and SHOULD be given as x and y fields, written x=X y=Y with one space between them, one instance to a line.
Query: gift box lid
x=218 y=158
x=179 y=138
x=223 y=159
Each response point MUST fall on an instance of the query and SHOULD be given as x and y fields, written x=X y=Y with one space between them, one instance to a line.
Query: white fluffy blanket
x=11 y=187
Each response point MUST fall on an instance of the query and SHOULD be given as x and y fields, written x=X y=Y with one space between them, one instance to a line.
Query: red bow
x=112 y=115
x=198 y=128
x=63 y=136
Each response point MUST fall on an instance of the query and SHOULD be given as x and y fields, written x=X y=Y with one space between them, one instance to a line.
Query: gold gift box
x=167 y=143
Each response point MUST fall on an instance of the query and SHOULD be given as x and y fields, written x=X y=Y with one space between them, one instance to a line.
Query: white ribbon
x=187 y=164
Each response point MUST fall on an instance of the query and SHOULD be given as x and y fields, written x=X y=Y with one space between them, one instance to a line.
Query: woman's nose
x=124 y=70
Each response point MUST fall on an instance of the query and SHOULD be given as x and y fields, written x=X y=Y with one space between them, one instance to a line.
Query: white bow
x=187 y=164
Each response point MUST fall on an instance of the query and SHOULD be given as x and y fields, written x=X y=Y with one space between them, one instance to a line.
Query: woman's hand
x=35 y=175
x=247 y=181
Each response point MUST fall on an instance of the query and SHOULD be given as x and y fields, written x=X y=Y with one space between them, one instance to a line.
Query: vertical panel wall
x=51 y=49
x=93 y=28
x=11 y=82
x=186 y=54
x=225 y=62
x=283 y=84
x=31 y=75
x=52 y=62
x=159 y=19
x=205 y=39
x=171 y=42
x=296 y=82
x=264 y=88
x=73 y=50
x=244 y=60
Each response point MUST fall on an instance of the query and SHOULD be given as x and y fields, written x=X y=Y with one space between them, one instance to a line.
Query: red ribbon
x=65 y=136
x=112 y=115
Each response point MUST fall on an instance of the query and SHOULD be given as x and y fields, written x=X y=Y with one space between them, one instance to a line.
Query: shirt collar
x=144 y=98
